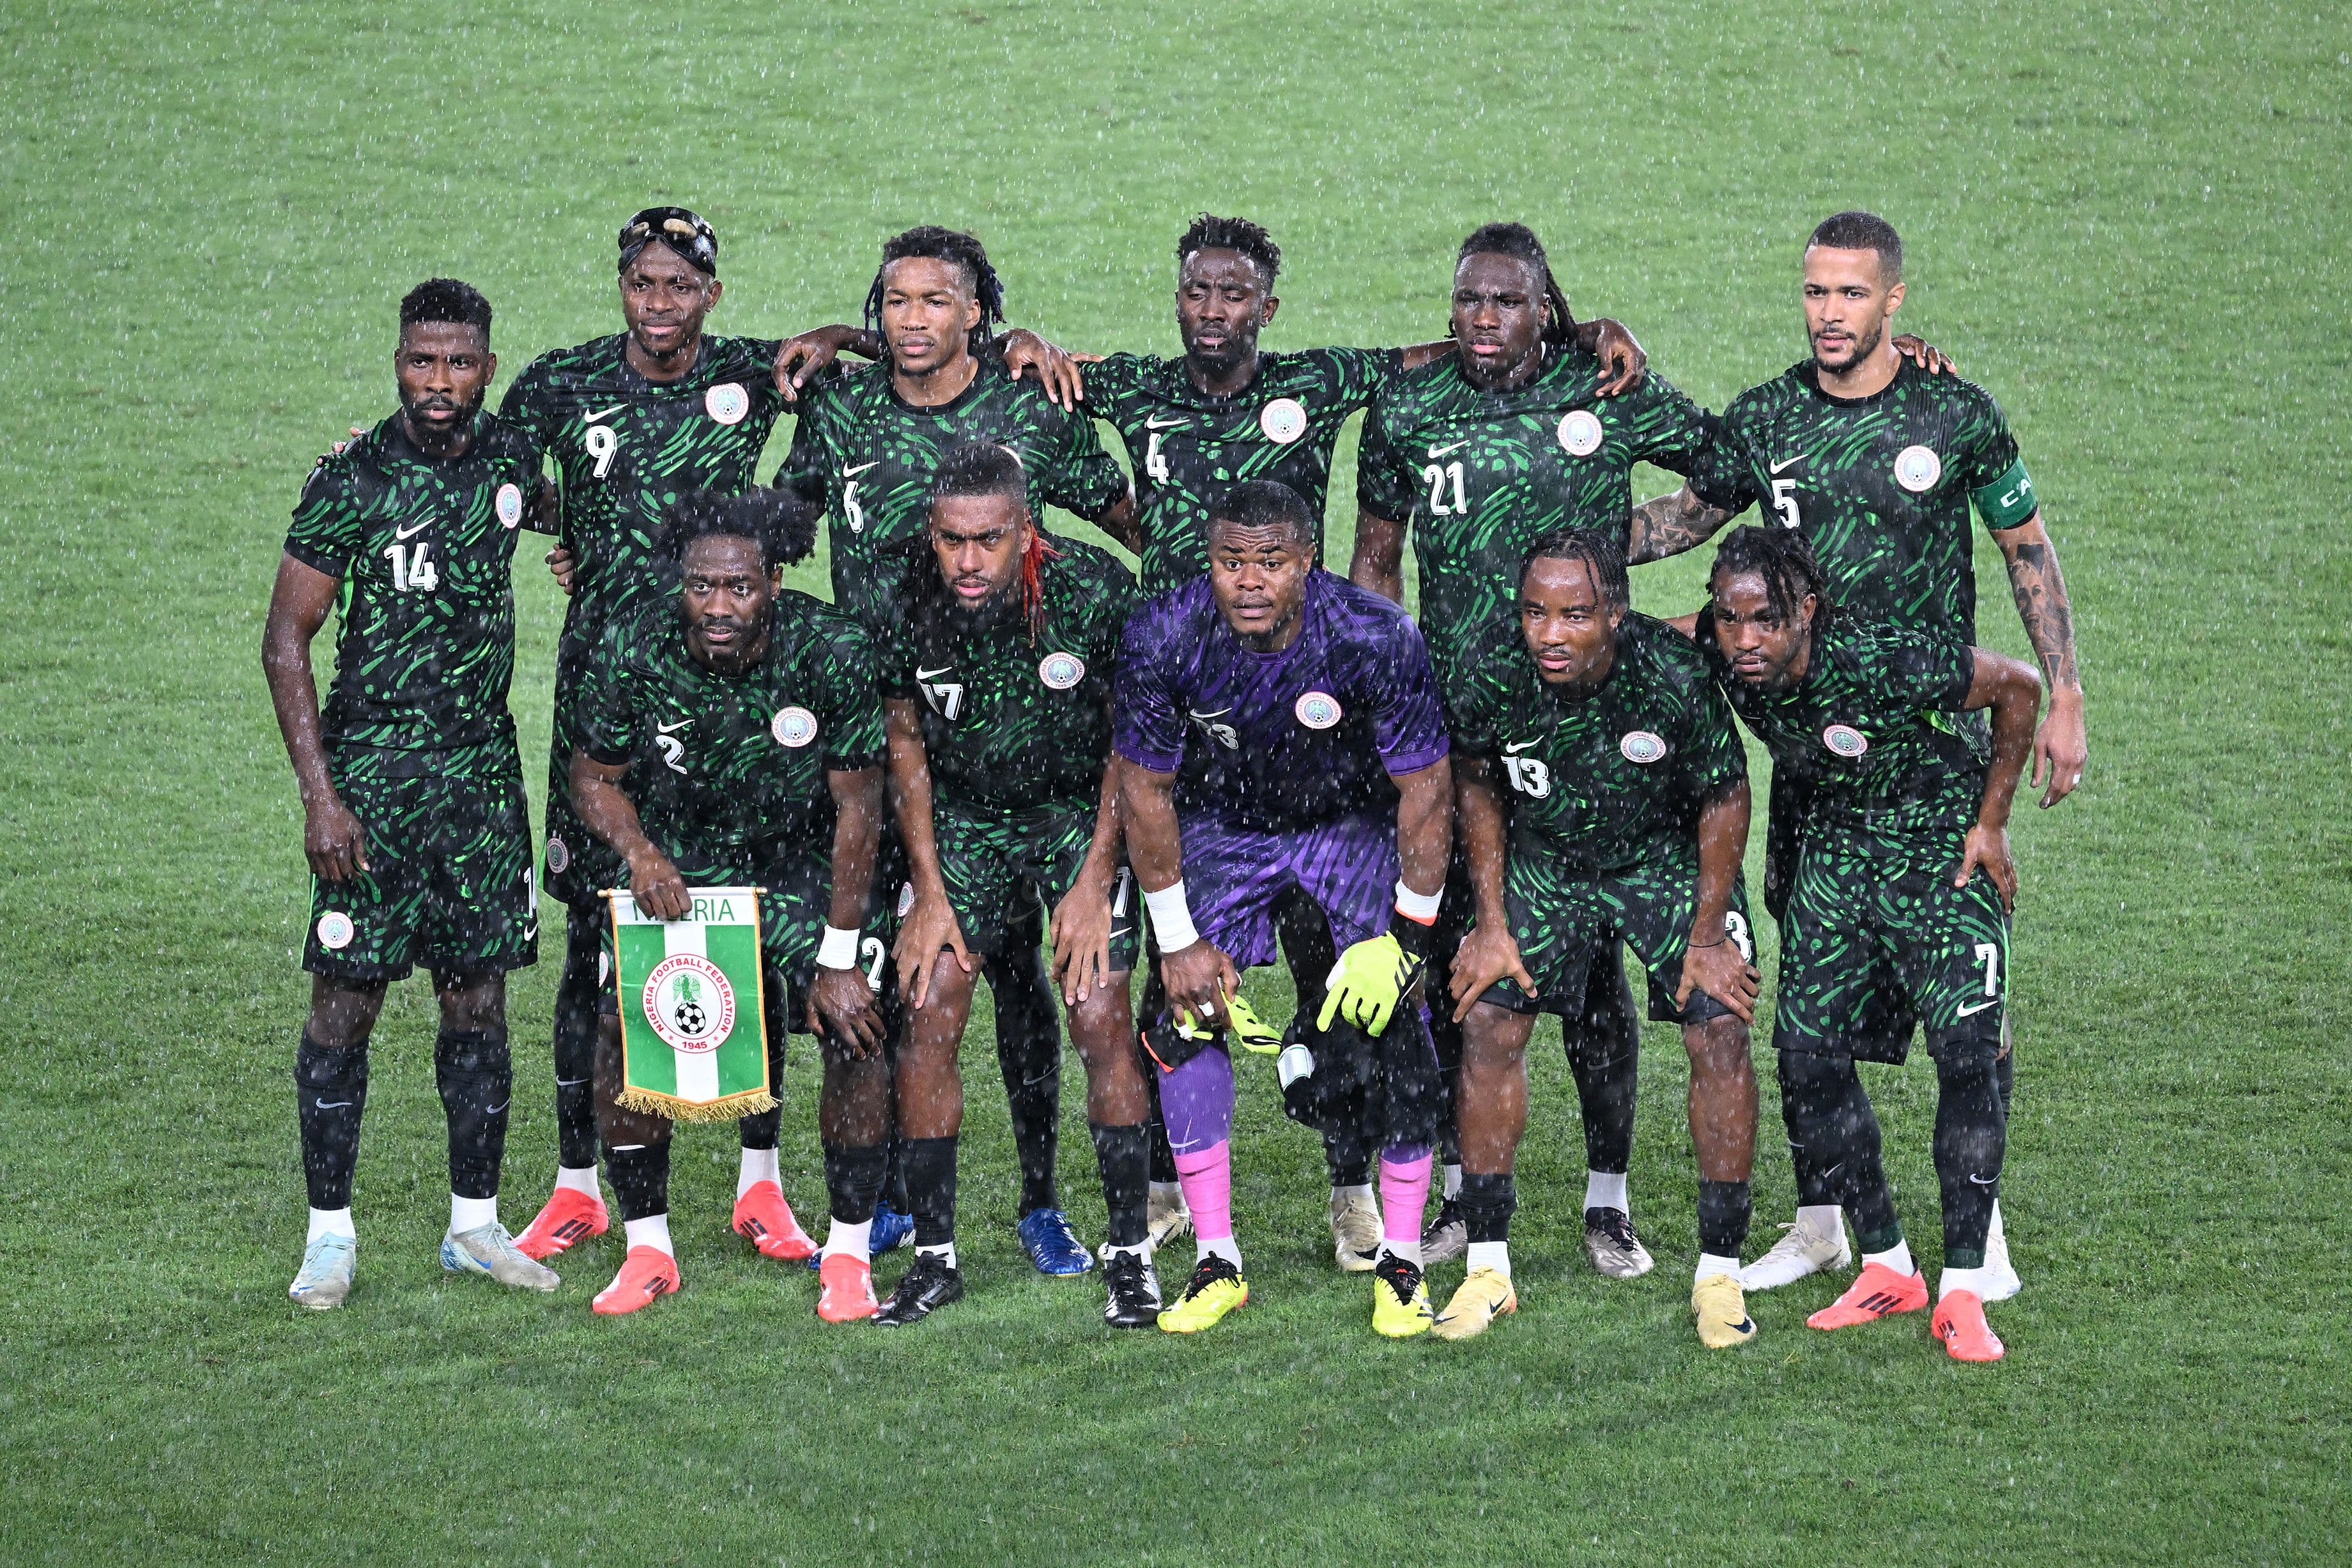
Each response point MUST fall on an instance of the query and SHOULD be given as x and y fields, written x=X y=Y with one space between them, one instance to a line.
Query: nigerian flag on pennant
x=693 y=1035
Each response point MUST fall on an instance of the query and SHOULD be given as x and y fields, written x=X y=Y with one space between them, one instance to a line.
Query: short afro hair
x=1210 y=232
x=783 y=524
x=1266 y=503
x=445 y=300
x=1863 y=231
x=1601 y=556
x=980 y=468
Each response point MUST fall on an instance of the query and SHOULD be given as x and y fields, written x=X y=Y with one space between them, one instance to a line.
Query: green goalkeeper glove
x=1367 y=983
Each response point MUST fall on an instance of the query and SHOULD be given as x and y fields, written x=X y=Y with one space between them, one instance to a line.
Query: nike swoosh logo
x=1218 y=714
x=1982 y=1181
x=1786 y=461
x=599 y=417
x=922 y=674
x=1514 y=750
x=1441 y=451
x=849 y=473
x=501 y=1105
x=1972 y=1012
x=406 y=532
x=1118 y=932
x=666 y=729
x=333 y=1104
x=1157 y=423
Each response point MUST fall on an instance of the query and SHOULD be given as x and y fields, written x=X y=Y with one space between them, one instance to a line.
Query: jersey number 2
x=1437 y=477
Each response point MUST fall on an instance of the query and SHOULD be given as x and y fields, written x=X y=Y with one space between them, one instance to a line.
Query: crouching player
x=1280 y=733
x=734 y=738
x=1899 y=913
x=1627 y=819
x=997 y=689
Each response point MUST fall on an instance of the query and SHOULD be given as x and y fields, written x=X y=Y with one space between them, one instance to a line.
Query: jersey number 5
x=1784 y=501
x=1437 y=477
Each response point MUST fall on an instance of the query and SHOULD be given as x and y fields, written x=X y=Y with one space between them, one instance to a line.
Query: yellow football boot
x=1399 y=1299
x=1722 y=1310
x=1484 y=1297
x=1215 y=1289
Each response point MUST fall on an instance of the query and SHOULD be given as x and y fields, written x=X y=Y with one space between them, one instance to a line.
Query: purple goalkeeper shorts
x=1233 y=877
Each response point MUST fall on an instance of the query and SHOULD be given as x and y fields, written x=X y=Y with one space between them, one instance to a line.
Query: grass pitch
x=2127 y=220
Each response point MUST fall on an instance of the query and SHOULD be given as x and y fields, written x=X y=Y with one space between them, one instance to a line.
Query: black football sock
x=330 y=1092
x=1487 y=1203
x=2005 y=1078
x=1029 y=1057
x=764 y=1129
x=1723 y=1215
x=931 y=1188
x=1122 y=1156
x=476 y=1076
x=1605 y=1090
x=1823 y=1101
x=576 y=995
x=1971 y=1137
x=853 y=1180
x=640 y=1177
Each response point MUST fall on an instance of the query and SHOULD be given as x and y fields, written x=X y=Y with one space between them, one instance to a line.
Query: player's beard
x=1865 y=346
x=968 y=615
x=416 y=412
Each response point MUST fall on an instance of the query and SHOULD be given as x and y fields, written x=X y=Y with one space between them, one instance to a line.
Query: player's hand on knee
x=1488 y=955
x=1986 y=849
x=335 y=842
x=1081 y=928
x=845 y=1015
x=1365 y=986
x=929 y=927
x=1723 y=971
x=1198 y=979
x=655 y=883
x=565 y=566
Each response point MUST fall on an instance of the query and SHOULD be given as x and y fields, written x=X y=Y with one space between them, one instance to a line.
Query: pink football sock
x=1207 y=1178
x=1404 y=1194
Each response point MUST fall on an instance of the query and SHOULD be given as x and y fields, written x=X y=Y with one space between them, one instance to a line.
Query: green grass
x=2128 y=220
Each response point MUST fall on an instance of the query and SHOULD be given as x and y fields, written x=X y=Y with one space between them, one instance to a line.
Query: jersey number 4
x=1155 y=463
x=411 y=568
x=1437 y=477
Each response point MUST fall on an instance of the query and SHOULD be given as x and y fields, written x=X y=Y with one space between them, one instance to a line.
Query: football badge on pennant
x=1060 y=670
x=335 y=930
x=1641 y=747
x=728 y=403
x=1283 y=420
x=1845 y=740
x=1317 y=710
x=1579 y=433
x=509 y=505
x=1917 y=469
x=689 y=1003
x=793 y=727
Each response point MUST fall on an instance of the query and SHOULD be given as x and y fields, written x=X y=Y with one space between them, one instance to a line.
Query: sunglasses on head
x=681 y=230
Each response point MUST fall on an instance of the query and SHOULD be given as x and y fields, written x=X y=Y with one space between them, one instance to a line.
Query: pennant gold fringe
x=647 y=1102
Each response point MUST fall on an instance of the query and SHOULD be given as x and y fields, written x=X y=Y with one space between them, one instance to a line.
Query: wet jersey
x=1870 y=731
x=1188 y=448
x=1279 y=741
x=425 y=547
x=1603 y=780
x=1480 y=475
x=1880 y=485
x=625 y=447
x=870 y=456
x=1011 y=720
x=729 y=770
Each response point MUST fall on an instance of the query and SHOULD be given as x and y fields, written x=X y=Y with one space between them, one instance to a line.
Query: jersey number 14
x=411 y=568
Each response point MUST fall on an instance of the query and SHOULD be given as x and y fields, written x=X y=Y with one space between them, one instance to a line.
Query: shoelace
x=928 y=1270
x=1210 y=1269
x=1404 y=1279
x=1125 y=1272
x=1617 y=1225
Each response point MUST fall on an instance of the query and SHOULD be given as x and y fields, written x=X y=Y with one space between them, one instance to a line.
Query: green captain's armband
x=2008 y=500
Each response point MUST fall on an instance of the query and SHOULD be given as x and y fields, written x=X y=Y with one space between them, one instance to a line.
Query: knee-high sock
x=1029 y=1055
x=1207 y=1175
x=1822 y=1099
x=329 y=1093
x=1724 y=1209
x=931 y=1188
x=1404 y=1196
x=853 y=1180
x=577 y=993
x=1971 y=1137
x=1198 y=1101
x=475 y=1073
x=764 y=1129
x=640 y=1176
x=1121 y=1155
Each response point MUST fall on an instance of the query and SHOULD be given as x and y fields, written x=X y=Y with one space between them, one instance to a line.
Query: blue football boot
x=1053 y=1245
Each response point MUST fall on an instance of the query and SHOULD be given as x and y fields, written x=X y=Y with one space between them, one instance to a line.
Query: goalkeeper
x=1283 y=737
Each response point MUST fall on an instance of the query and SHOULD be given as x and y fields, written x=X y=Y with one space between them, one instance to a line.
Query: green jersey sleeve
x=1722 y=472
x=1921 y=668
x=528 y=408
x=1387 y=482
x=608 y=712
x=329 y=520
x=1669 y=429
x=1115 y=377
x=1993 y=471
x=849 y=704
x=1080 y=477
x=1712 y=754
x=1358 y=374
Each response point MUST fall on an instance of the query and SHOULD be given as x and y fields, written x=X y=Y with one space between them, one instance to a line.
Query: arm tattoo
x=1672 y=525
x=2049 y=619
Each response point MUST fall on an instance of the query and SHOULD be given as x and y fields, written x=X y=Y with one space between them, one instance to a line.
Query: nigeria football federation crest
x=689 y=1001
x=1917 y=469
x=1317 y=710
x=1060 y=670
x=1284 y=420
x=510 y=506
x=728 y=403
x=794 y=726
x=1845 y=740
x=1579 y=433
x=1641 y=747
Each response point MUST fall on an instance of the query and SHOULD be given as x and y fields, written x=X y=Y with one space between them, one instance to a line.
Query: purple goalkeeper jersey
x=1281 y=741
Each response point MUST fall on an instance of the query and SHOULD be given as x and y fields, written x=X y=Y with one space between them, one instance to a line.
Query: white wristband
x=1172 y=921
x=838 y=950
x=1421 y=906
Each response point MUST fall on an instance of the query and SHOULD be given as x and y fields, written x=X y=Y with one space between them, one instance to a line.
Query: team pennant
x=694 y=1034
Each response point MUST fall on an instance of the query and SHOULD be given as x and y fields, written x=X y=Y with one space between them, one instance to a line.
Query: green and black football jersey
x=871 y=456
x=1870 y=731
x=1880 y=485
x=625 y=447
x=425 y=548
x=1012 y=721
x=1603 y=780
x=729 y=768
x=1480 y=475
x=1190 y=447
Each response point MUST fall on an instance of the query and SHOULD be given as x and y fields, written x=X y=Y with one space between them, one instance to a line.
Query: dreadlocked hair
x=1785 y=563
x=989 y=468
x=1210 y=232
x=783 y=524
x=1602 y=557
x=951 y=246
x=1516 y=239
